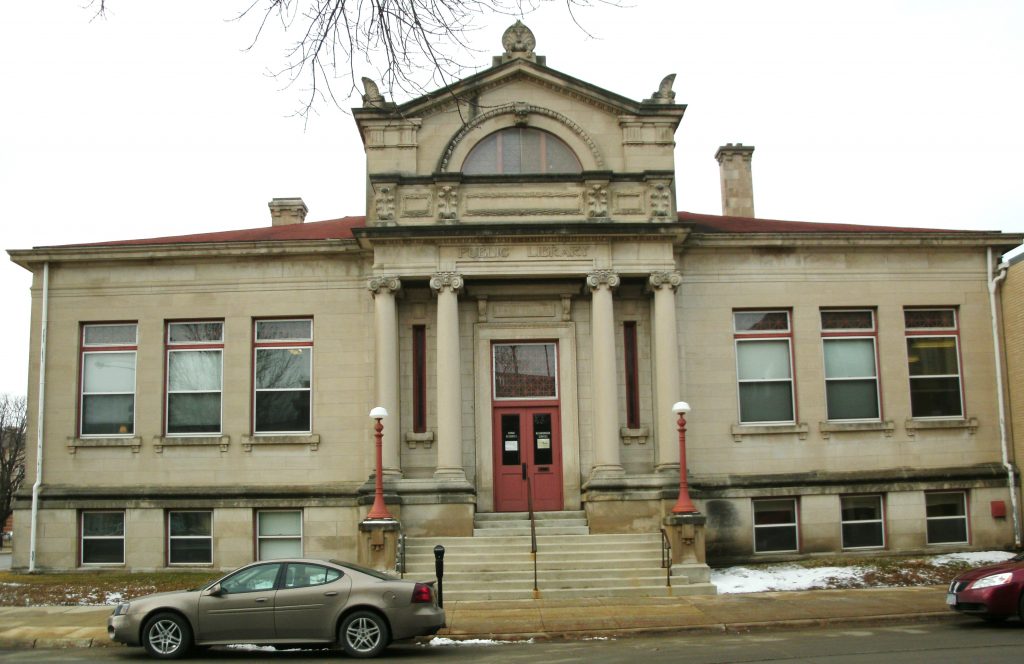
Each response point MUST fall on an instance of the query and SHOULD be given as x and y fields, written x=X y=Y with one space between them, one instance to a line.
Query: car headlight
x=121 y=609
x=994 y=580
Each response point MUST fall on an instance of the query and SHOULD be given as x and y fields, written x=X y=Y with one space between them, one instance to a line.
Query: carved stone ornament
x=518 y=39
x=371 y=93
x=669 y=278
x=383 y=283
x=448 y=202
x=661 y=199
x=664 y=93
x=385 y=201
x=599 y=278
x=442 y=280
x=597 y=201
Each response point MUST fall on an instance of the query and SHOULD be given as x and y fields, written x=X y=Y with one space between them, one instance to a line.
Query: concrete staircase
x=496 y=563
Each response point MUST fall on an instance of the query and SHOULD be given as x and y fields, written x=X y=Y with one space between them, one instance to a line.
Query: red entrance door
x=527 y=444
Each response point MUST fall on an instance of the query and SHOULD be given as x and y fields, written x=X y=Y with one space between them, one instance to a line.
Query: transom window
x=933 y=359
x=521 y=150
x=764 y=366
x=108 y=379
x=851 y=364
x=525 y=371
x=194 y=377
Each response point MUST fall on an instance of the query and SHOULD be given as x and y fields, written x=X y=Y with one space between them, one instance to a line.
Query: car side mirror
x=216 y=591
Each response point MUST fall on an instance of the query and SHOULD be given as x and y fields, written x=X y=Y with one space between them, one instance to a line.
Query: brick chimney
x=737 y=183
x=285 y=211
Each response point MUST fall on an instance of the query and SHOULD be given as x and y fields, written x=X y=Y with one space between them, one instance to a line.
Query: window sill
x=829 y=428
x=630 y=436
x=739 y=431
x=311 y=439
x=425 y=438
x=969 y=423
x=160 y=442
x=134 y=442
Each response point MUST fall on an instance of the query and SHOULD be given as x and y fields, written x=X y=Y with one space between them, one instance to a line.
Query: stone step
x=524 y=531
x=542 y=526
x=544 y=542
x=562 y=578
x=525 y=516
x=591 y=556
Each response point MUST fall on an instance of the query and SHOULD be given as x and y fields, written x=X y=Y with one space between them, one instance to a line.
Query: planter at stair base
x=378 y=544
x=686 y=535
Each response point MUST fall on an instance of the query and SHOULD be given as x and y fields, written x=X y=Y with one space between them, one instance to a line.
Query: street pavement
x=85 y=626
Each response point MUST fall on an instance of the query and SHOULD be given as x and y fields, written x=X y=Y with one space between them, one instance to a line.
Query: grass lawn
x=92 y=587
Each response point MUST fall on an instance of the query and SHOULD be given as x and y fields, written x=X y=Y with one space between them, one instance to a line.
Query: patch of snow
x=443 y=641
x=780 y=577
x=972 y=558
x=252 y=647
x=114 y=598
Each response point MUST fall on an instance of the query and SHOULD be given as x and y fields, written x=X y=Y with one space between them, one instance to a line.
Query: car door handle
x=260 y=600
x=331 y=593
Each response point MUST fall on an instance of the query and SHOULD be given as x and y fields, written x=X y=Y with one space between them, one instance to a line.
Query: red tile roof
x=714 y=223
x=332 y=229
x=341 y=229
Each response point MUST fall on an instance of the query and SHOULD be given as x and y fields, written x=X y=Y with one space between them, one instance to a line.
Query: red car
x=993 y=592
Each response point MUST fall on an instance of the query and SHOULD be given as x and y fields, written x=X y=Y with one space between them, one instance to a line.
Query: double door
x=527 y=459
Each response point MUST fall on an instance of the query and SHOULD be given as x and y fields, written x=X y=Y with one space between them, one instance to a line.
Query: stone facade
x=631 y=305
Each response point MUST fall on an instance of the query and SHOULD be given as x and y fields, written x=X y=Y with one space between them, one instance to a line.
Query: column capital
x=667 y=278
x=443 y=280
x=599 y=278
x=383 y=283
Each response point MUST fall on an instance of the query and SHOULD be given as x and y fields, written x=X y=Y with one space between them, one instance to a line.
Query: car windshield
x=365 y=570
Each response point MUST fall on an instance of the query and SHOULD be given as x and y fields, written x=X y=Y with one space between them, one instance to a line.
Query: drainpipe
x=41 y=397
x=993 y=286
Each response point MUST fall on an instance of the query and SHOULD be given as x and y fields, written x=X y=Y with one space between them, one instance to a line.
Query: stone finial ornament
x=371 y=93
x=518 y=39
x=664 y=94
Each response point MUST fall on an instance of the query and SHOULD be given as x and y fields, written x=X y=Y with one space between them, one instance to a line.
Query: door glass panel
x=525 y=371
x=510 y=440
x=542 y=454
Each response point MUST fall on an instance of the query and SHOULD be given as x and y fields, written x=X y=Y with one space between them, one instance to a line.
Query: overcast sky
x=156 y=121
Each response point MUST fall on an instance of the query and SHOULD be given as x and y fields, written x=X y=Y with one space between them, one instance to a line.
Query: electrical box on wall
x=999 y=509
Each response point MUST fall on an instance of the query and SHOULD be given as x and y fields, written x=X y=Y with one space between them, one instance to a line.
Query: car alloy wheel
x=364 y=634
x=167 y=636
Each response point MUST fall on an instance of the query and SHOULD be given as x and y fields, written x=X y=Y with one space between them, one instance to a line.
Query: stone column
x=446 y=286
x=603 y=375
x=386 y=321
x=666 y=368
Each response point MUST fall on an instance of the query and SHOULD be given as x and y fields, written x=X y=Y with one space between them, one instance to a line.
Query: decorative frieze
x=597 y=201
x=523 y=203
x=448 y=203
x=385 y=204
x=446 y=280
x=660 y=195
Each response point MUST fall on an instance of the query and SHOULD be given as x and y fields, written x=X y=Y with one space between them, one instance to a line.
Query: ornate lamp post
x=379 y=510
x=684 y=505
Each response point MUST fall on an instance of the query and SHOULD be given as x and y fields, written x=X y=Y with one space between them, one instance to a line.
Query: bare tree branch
x=13 y=425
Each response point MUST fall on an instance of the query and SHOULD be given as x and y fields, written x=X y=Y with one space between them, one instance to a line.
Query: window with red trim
x=283 y=376
x=764 y=366
x=195 y=353
x=933 y=360
x=419 y=378
x=848 y=340
x=632 y=375
x=107 y=406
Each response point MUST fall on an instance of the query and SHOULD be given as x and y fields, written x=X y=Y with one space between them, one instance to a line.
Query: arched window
x=521 y=150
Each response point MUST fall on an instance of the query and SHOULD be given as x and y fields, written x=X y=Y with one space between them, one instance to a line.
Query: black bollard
x=439 y=571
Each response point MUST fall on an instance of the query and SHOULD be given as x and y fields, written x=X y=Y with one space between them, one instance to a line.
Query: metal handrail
x=666 y=557
x=533 y=530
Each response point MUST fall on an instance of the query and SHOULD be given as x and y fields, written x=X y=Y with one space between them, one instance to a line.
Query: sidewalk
x=73 y=626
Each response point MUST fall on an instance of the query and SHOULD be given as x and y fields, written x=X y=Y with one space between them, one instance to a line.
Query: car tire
x=364 y=634
x=167 y=636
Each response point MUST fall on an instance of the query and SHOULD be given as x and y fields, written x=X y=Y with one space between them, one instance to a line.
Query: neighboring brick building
x=520 y=292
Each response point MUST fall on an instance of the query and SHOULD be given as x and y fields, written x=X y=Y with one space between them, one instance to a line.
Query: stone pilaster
x=605 y=383
x=666 y=368
x=384 y=289
x=446 y=285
